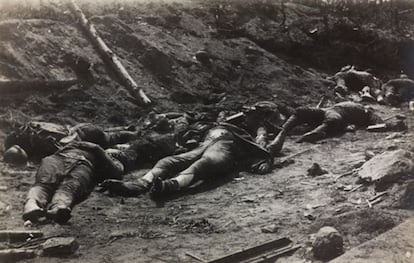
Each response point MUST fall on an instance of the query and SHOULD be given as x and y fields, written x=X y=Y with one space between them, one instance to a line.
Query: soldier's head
x=90 y=133
x=263 y=113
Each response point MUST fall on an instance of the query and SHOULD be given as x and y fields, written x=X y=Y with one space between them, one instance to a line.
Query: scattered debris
x=195 y=257
x=377 y=127
x=345 y=174
x=356 y=188
x=270 y=229
x=309 y=216
x=19 y=235
x=394 y=135
x=328 y=243
x=387 y=167
x=60 y=246
x=316 y=170
x=262 y=253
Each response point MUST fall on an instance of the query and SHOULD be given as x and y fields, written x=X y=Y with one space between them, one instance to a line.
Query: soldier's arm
x=110 y=167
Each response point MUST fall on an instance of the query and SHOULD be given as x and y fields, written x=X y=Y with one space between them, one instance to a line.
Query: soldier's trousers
x=61 y=182
x=326 y=121
x=205 y=162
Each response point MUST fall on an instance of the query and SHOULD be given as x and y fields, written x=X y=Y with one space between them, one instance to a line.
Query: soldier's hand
x=264 y=168
x=113 y=186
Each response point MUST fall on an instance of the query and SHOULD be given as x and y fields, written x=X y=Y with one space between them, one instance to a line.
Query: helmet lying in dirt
x=15 y=155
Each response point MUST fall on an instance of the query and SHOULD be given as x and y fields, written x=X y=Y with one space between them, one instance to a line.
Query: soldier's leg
x=333 y=123
x=302 y=115
x=75 y=188
x=48 y=177
x=164 y=168
x=316 y=134
x=218 y=159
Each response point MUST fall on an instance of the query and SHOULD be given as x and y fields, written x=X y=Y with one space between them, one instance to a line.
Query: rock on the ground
x=316 y=170
x=328 y=244
x=60 y=246
x=387 y=167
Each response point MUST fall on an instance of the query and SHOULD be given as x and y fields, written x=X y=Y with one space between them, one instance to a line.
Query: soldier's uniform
x=40 y=139
x=66 y=178
x=225 y=148
x=398 y=90
x=351 y=80
x=331 y=120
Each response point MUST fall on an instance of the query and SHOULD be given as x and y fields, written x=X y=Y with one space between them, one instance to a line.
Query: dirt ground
x=251 y=58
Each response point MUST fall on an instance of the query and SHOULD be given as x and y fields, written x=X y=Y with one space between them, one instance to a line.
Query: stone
x=60 y=246
x=316 y=170
x=328 y=244
x=387 y=167
x=270 y=229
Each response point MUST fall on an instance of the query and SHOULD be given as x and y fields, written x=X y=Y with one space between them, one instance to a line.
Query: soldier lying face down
x=330 y=121
x=66 y=178
x=398 y=90
x=351 y=80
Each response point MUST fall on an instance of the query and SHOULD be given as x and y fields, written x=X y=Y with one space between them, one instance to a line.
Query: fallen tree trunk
x=108 y=56
x=9 y=87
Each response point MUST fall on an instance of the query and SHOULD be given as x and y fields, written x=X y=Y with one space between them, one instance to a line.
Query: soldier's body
x=225 y=148
x=398 y=90
x=351 y=80
x=66 y=178
x=40 y=139
x=331 y=120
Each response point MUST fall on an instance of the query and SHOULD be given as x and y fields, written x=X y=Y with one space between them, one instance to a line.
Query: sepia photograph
x=215 y=131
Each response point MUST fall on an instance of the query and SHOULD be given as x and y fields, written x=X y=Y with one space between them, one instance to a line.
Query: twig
x=356 y=188
x=377 y=196
x=195 y=257
x=345 y=174
x=377 y=201
x=369 y=203
x=296 y=154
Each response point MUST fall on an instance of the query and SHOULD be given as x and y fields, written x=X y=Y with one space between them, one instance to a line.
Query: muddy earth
x=257 y=50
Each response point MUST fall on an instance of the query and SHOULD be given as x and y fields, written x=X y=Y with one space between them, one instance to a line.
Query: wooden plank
x=254 y=251
x=18 y=235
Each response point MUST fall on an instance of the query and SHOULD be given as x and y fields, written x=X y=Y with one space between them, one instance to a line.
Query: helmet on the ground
x=15 y=155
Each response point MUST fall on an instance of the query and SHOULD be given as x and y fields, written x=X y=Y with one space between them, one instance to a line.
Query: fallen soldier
x=398 y=90
x=351 y=80
x=66 y=178
x=40 y=139
x=330 y=121
x=226 y=148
